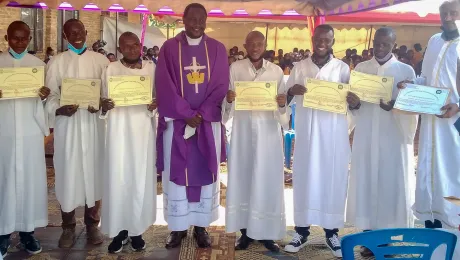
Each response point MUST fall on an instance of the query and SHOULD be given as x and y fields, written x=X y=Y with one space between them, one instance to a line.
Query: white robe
x=255 y=191
x=178 y=212
x=321 y=153
x=23 y=188
x=382 y=176
x=129 y=197
x=79 y=139
x=439 y=145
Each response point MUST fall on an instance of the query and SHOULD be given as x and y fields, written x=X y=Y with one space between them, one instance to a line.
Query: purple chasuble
x=191 y=80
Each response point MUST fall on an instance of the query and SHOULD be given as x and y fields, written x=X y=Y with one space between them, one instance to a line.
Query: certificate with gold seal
x=326 y=96
x=130 y=90
x=21 y=82
x=371 y=88
x=422 y=99
x=82 y=92
x=256 y=95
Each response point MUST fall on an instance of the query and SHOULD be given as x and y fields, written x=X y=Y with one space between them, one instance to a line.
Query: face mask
x=240 y=57
x=16 y=55
x=77 y=51
x=386 y=58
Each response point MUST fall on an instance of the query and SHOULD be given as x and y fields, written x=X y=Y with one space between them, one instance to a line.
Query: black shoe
x=118 y=242
x=175 y=239
x=4 y=245
x=297 y=243
x=31 y=245
x=202 y=237
x=137 y=243
x=271 y=245
x=243 y=242
x=333 y=242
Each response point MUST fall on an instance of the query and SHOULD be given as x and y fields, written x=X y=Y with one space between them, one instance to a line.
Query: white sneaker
x=298 y=242
x=333 y=243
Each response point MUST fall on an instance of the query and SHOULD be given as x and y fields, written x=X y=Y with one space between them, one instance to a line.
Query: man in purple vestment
x=192 y=79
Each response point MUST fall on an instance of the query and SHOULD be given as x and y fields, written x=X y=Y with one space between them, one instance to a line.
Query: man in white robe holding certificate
x=129 y=196
x=322 y=148
x=23 y=125
x=78 y=136
x=382 y=176
x=439 y=144
x=255 y=198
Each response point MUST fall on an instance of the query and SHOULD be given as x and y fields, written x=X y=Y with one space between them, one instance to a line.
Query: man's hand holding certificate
x=84 y=93
x=130 y=90
x=422 y=99
x=371 y=88
x=21 y=82
x=256 y=95
x=326 y=96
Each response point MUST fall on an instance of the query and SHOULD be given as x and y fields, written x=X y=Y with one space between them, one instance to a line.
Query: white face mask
x=240 y=57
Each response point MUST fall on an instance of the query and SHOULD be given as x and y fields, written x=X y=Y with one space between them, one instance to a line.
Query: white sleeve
x=104 y=92
x=53 y=82
x=228 y=109
x=283 y=114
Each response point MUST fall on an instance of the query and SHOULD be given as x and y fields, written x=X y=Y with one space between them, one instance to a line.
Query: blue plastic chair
x=422 y=242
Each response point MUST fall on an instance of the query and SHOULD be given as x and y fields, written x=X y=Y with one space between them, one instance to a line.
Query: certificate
x=130 y=90
x=82 y=92
x=422 y=99
x=21 y=82
x=326 y=96
x=371 y=88
x=256 y=95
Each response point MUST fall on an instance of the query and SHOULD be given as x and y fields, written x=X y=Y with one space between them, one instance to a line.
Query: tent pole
x=370 y=38
x=116 y=34
x=266 y=34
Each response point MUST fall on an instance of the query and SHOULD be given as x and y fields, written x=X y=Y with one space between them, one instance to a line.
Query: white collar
x=193 y=42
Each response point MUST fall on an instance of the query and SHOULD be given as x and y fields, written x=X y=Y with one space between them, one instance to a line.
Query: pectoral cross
x=195 y=77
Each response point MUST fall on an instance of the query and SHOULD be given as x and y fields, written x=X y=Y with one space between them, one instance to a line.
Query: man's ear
x=6 y=37
x=333 y=42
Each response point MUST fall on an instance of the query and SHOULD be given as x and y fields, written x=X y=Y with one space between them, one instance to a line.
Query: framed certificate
x=326 y=96
x=130 y=90
x=371 y=88
x=21 y=82
x=82 y=92
x=422 y=99
x=256 y=95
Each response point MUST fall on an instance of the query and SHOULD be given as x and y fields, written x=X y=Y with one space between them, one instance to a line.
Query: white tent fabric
x=153 y=36
x=252 y=7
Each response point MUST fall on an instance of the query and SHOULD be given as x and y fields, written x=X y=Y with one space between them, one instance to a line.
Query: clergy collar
x=182 y=37
x=321 y=66
x=391 y=60
x=84 y=51
x=133 y=66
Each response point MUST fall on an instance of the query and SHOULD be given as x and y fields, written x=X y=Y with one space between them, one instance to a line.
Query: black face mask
x=131 y=61
x=449 y=35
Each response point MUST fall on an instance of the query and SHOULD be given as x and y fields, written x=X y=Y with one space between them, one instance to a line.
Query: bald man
x=382 y=176
x=78 y=136
x=129 y=207
x=23 y=124
x=439 y=143
x=255 y=197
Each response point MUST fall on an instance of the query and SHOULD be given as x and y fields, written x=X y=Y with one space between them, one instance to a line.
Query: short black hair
x=194 y=5
x=110 y=54
x=325 y=27
x=16 y=23
x=418 y=47
x=73 y=20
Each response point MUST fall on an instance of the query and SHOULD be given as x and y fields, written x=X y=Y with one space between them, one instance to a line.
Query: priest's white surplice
x=321 y=153
x=439 y=145
x=382 y=175
x=79 y=139
x=255 y=191
x=129 y=190
x=23 y=189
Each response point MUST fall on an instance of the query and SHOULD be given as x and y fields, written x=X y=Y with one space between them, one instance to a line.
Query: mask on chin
x=77 y=51
x=16 y=55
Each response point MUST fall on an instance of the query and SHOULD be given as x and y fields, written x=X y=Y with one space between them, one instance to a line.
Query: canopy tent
x=216 y=7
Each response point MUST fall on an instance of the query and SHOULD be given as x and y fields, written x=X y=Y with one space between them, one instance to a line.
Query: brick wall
x=92 y=22
x=7 y=16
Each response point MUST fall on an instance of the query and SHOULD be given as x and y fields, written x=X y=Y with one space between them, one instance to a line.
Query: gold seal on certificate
x=82 y=92
x=422 y=99
x=21 y=82
x=326 y=96
x=371 y=88
x=256 y=95
x=130 y=90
